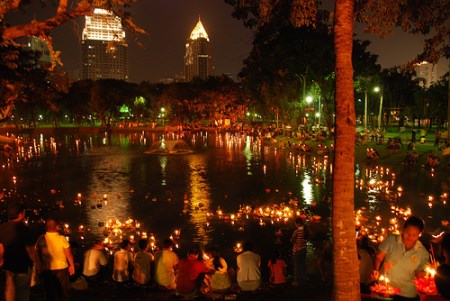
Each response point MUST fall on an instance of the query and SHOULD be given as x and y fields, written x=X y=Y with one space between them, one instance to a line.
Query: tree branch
x=36 y=28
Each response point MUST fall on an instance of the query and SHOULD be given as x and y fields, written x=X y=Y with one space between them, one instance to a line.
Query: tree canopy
x=11 y=33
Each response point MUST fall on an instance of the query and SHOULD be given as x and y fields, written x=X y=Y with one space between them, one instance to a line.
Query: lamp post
x=319 y=112
x=365 y=110
x=162 y=115
x=302 y=79
x=309 y=100
x=380 y=111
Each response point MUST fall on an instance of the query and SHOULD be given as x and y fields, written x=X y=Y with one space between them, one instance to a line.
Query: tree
x=65 y=11
x=380 y=16
x=108 y=95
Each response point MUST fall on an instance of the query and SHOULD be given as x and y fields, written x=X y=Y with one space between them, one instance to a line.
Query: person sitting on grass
x=95 y=262
x=248 y=269
x=277 y=267
x=220 y=280
x=143 y=261
x=123 y=261
x=372 y=154
x=166 y=262
x=191 y=272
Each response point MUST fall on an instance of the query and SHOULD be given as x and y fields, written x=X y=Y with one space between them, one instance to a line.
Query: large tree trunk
x=345 y=258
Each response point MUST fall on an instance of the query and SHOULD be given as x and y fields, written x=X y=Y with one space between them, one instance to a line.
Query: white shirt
x=93 y=261
x=248 y=266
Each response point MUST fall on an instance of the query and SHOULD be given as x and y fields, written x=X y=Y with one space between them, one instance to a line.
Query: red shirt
x=188 y=271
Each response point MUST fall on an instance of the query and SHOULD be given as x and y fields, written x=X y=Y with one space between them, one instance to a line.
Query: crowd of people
x=399 y=257
x=50 y=260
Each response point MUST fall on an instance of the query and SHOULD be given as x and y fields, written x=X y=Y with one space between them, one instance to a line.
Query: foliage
x=23 y=78
x=10 y=34
x=429 y=18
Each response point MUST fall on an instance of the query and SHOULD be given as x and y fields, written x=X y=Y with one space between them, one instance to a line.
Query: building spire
x=199 y=31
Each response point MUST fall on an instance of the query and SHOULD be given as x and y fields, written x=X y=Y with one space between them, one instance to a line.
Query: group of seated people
x=432 y=161
x=372 y=154
x=411 y=158
x=199 y=272
x=395 y=143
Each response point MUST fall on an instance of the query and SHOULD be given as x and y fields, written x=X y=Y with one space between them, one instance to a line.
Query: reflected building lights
x=307 y=188
x=108 y=189
x=200 y=199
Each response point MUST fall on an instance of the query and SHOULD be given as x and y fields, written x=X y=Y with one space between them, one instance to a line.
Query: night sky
x=170 y=22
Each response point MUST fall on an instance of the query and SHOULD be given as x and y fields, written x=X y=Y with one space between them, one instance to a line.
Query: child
x=277 y=267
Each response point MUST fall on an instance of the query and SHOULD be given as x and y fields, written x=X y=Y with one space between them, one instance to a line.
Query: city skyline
x=169 y=22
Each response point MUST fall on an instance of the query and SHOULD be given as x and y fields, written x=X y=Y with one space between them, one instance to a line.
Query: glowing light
x=199 y=32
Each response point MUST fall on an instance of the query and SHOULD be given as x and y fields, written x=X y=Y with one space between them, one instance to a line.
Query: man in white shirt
x=56 y=261
x=248 y=273
x=94 y=260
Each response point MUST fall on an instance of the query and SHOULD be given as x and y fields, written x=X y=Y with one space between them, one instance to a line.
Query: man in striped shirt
x=298 y=240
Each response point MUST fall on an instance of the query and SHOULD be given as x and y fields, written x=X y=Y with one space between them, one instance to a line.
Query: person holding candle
x=403 y=257
x=220 y=280
x=191 y=272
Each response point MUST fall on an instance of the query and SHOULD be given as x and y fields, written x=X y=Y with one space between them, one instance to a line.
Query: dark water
x=117 y=180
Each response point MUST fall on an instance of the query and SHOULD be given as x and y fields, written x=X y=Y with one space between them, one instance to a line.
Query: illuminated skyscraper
x=427 y=73
x=198 y=61
x=104 y=51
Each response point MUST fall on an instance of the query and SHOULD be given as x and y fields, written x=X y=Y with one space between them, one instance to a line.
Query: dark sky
x=170 y=22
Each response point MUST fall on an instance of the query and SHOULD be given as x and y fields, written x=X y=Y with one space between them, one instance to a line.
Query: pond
x=231 y=188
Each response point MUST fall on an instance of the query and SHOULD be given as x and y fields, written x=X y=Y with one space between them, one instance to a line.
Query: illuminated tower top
x=199 y=31
x=103 y=25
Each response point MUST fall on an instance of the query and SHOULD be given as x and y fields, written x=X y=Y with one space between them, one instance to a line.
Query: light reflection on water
x=108 y=184
x=200 y=199
x=227 y=170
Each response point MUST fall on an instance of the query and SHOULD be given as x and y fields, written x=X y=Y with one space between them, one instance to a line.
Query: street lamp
x=309 y=100
x=162 y=115
x=380 y=111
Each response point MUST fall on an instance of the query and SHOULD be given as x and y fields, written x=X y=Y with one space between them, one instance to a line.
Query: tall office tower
x=40 y=47
x=198 y=61
x=104 y=51
x=427 y=73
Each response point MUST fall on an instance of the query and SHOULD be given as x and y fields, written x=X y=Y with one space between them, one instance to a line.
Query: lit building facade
x=427 y=73
x=104 y=51
x=198 y=60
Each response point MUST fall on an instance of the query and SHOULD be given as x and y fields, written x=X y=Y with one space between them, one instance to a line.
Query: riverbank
x=315 y=289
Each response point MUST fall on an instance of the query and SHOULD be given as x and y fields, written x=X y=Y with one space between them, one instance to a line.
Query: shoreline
x=314 y=289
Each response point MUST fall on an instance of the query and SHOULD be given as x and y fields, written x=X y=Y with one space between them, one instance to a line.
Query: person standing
x=56 y=260
x=298 y=241
x=166 y=261
x=17 y=254
x=413 y=135
x=401 y=258
x=437 y=137
x=248 y=269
